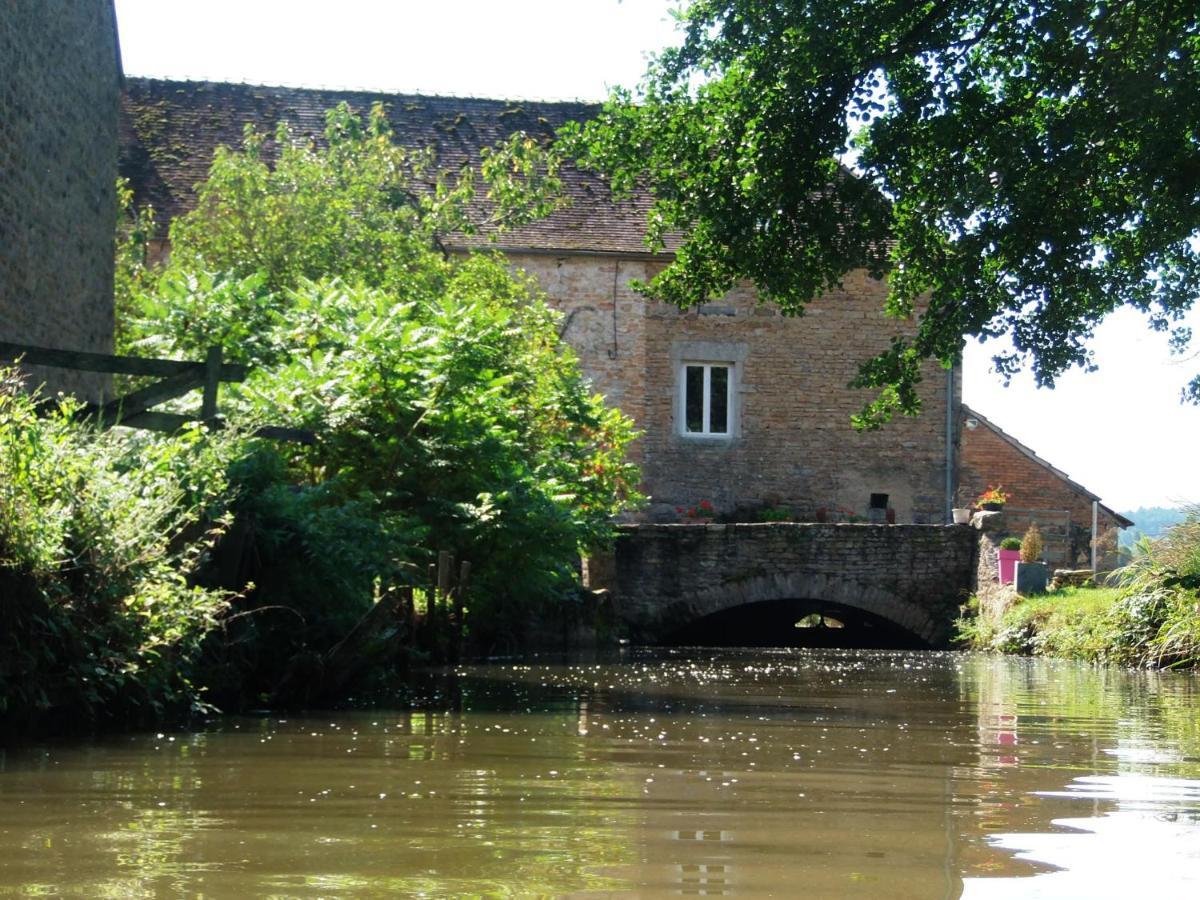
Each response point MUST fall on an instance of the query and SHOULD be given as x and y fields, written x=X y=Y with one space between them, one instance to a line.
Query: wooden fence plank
x=158 y=421
x=117 y=411
x=133 y=410
x=172 y=422
x=104 y=362
x=282 y=433
x=212 y=383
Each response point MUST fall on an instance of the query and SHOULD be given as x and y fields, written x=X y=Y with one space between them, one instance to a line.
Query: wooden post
x=409 y=611
x=463 y=574
x=212 y=383
x=1095 y=517
x=444 y=568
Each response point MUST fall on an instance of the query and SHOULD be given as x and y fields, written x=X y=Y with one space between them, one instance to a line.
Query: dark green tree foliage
x=1025 y=167
x=449 y=415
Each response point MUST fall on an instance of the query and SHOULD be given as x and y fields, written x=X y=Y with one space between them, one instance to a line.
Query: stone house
x=60 y=88
x=739 y=405
x=1038 y=492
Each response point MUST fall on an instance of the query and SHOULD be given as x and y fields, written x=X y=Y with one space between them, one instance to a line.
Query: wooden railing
x=134 y=410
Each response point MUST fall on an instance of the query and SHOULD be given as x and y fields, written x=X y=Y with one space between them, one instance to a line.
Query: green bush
x=1158 y=619
x=450 y=415
x=101 y=535
x=1010 y=543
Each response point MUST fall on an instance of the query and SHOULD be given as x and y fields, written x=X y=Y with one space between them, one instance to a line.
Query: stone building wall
x=603 y=320
x=792 y=444
x=59 y=97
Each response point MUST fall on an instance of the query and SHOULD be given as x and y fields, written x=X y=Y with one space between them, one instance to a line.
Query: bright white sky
x=1121 y=431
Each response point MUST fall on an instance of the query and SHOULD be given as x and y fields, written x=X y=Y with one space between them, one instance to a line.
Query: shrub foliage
x=100 y=537
x=449 y=414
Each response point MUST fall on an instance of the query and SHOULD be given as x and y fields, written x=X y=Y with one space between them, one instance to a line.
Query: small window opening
x=879 y=501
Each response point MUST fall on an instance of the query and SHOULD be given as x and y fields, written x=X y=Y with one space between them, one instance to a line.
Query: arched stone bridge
x=915 y=577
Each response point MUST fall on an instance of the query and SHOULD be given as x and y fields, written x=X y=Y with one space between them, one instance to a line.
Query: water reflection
x=711 y=773
x=1129 y=833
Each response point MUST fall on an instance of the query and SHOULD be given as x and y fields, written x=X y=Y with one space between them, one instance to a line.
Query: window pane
x=694 y=398
x=718 y=411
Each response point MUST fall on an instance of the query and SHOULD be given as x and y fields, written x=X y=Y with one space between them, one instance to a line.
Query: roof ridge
x=347 y=89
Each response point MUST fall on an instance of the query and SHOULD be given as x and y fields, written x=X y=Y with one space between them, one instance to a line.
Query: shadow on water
x=796 y=623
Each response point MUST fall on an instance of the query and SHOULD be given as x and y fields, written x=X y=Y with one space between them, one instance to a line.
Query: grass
x=1149 y=616
x=1096 y=624
x=1067 y=622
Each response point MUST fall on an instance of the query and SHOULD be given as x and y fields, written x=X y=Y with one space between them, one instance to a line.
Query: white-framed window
x=706 y=398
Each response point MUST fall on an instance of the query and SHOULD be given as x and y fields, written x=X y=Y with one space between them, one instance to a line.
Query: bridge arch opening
x=795 y=623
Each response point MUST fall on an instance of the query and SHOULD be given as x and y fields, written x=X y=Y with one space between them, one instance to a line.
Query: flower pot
x=961 y=516
x=992 y=507
x=1008 y=565
x=1031 y=578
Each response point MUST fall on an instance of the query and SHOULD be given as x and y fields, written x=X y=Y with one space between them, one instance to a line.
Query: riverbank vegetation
x=448 y=414
x=102 y=537
x=1146 y=614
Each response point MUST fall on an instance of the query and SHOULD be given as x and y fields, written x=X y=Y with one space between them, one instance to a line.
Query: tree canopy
x=1019 y=167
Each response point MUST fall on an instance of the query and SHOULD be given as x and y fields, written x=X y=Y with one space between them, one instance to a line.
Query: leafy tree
x=357 y=205
x=449 y=413
x=1023 y=167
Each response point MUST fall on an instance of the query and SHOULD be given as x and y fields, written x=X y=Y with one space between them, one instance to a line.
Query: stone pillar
x=994 y=598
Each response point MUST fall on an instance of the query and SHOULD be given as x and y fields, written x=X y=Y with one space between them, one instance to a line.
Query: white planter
x=961 y=516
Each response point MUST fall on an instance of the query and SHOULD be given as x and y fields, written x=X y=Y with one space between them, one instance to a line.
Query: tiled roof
x=169 y=130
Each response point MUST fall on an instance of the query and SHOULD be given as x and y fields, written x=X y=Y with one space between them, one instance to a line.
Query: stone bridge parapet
x=914 y=576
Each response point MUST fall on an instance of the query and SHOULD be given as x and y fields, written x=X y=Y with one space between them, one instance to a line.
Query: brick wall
x=59 y=95
x=792 y=445
x=989 y=459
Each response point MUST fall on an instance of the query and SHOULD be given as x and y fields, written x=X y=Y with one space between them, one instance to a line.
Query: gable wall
x=59 y=95
x=988 y=459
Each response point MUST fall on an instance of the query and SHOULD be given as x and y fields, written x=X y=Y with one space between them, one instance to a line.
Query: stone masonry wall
x=603 y=321
x=994 y=598
x=913 y=575
x=59 y=95
x=792 y=443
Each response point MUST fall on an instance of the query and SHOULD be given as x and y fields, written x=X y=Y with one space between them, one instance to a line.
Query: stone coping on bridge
x=634 y=527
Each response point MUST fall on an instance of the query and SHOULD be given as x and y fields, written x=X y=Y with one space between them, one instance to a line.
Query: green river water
x=695 y=772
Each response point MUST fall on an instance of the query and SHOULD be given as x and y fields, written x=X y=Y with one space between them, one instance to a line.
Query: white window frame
x=732 y=354
x=706 y=398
